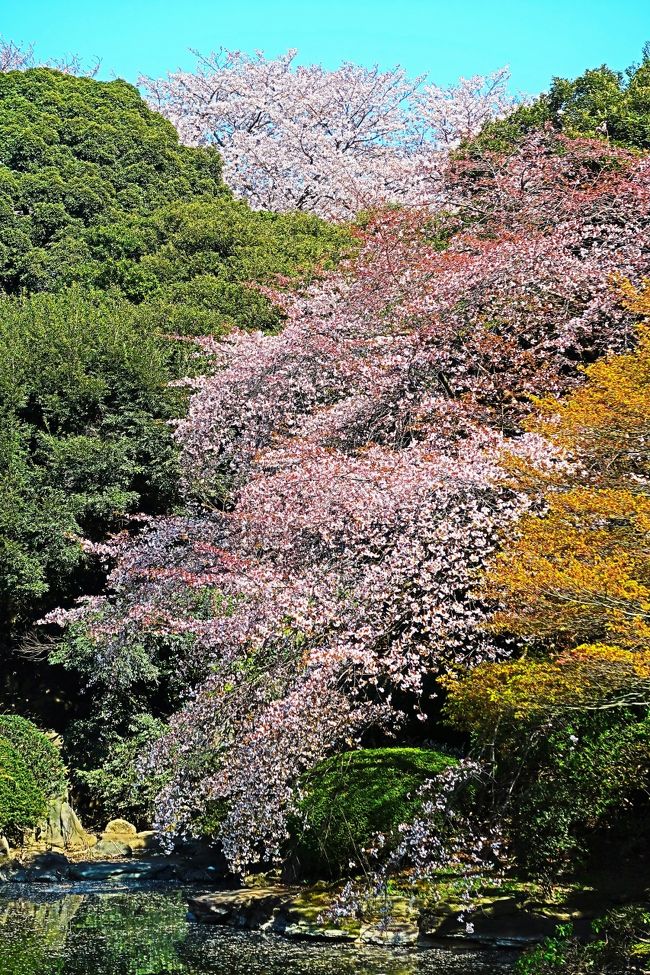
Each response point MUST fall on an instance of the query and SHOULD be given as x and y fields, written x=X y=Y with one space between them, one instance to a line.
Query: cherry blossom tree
x=21 y=57
x=342 y=479
x=446 y=116
x=13 y=57
x=330 y=142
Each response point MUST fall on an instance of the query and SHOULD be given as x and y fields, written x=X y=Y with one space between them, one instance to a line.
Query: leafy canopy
x=600 y=103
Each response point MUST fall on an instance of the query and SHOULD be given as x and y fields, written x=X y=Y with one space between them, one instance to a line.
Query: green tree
x=601 y=103
x=137 y=239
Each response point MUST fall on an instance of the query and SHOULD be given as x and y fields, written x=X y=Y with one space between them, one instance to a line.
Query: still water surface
x=148 y=933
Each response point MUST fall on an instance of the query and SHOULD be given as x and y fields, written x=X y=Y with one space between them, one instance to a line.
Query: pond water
x=83 y=932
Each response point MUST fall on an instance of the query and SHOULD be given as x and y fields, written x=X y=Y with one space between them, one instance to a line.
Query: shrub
x=575 y=780
x=120 y=786
x=354 y=795
x=620 y=946
x=22 y=803
x=562 y=775
x=37 y=751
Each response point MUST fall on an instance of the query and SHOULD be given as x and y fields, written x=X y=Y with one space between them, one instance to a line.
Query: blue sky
x=446 y=38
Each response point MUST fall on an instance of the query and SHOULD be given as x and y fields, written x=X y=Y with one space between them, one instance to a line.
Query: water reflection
x=147 y=933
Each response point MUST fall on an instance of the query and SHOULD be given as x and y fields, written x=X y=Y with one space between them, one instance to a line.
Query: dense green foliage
x=119 y=787
x=574 y=779
x=601 y=103
x=352 y=796
x=37 y=751
x=78 y=154
x=22 y=803
x=83 y=437
x=95 y=188
x=620 y=945
x=106 y=744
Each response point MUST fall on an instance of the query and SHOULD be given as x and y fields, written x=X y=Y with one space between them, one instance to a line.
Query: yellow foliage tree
x=581 y=571
x=591 y=677
x=576 y=580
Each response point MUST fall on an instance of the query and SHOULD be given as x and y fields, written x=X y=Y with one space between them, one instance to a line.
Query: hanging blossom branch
x=449 y=834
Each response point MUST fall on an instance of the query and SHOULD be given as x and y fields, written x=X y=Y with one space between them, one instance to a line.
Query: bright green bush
x=40 y=755
x=354 y=795
x=22 y=803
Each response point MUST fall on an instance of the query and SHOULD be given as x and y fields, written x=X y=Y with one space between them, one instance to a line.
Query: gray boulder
x=113 y=848
x=62 y=828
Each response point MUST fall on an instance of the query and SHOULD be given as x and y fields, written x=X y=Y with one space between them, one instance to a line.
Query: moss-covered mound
x=352 y=796
x=22 y=803
x=40 y=755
